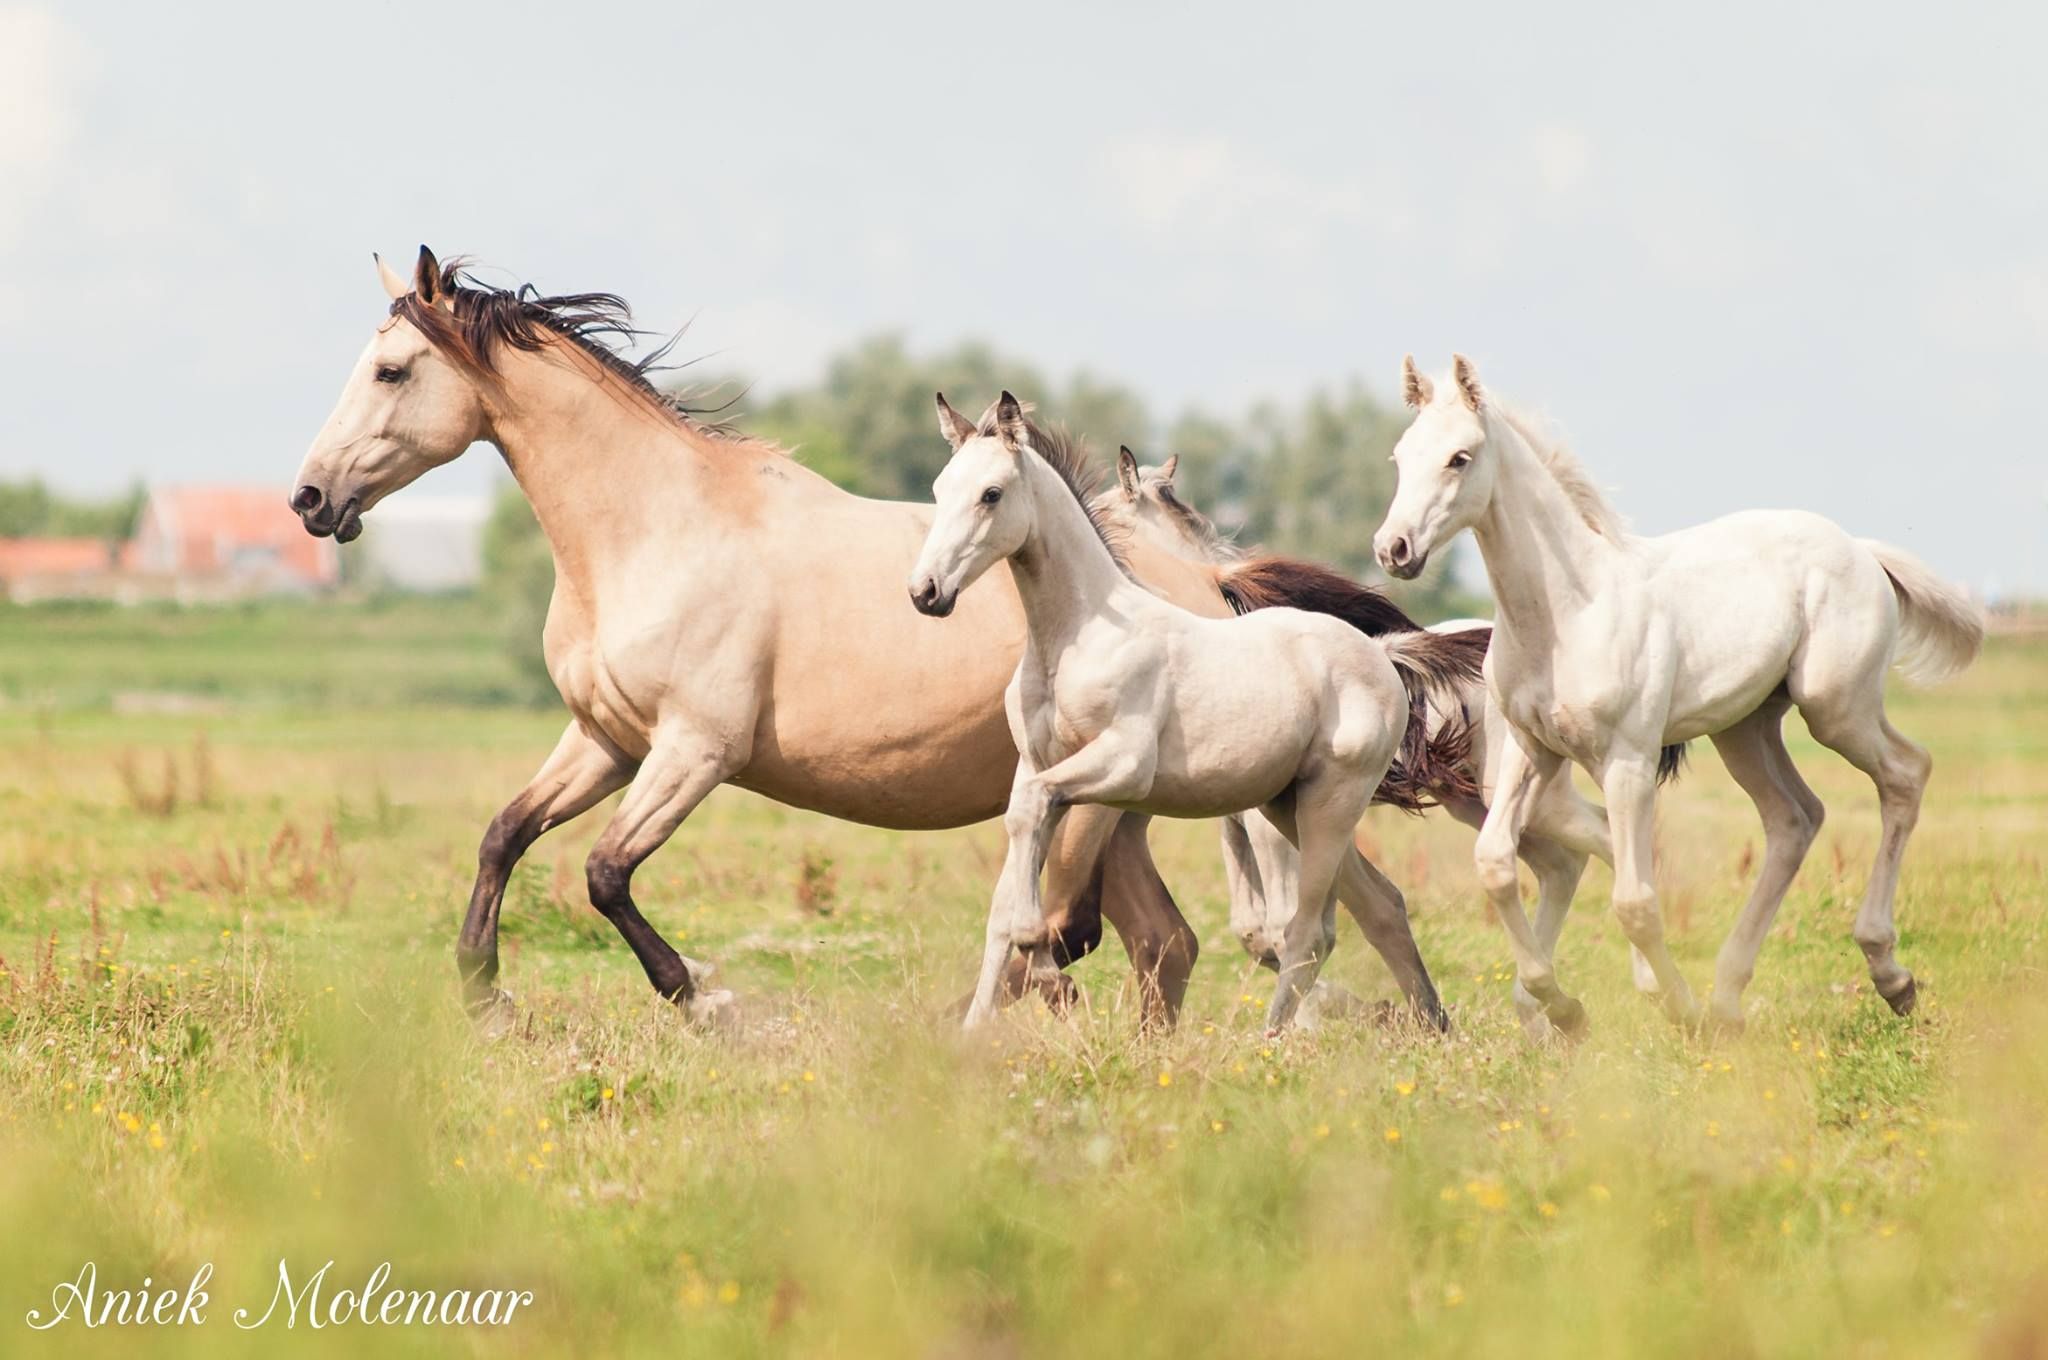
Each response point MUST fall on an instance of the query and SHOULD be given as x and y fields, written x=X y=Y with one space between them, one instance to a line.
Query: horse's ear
x=394 y=286
x=1127 y=471
x=1010 y=421
x=1416 y=390
x=1467 y=378
x=956 y=428
x=1169 y=467
x=426 y=280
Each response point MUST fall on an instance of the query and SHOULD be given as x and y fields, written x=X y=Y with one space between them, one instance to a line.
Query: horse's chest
x=1063 y=714
x=1568 y=721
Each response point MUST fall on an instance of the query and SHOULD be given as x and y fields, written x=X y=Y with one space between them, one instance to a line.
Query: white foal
x=1564 y=829
x=1609 y=648
x=1124 y=699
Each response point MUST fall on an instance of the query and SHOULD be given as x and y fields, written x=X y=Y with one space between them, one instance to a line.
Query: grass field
x=229 y=1033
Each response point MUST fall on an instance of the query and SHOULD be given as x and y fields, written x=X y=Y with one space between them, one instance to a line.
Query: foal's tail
x=1433 y=767
x=1940 y=629
x=1430 y=768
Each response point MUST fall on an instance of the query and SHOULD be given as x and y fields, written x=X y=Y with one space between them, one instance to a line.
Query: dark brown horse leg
x=673 y=779
x=1073 y=903
x=1158 y=938
x=575 y=778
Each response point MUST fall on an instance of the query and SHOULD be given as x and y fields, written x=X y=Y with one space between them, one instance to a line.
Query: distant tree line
x=1308 y=477
x=29 y=509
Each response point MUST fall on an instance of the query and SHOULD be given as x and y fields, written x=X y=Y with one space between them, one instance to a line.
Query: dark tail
x=1670 y=763
x=1429 y=769
x=1263 y=582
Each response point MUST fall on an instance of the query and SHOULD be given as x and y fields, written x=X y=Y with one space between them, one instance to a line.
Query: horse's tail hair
x=1433 y=767
x=1941 y=629
x=1269 y=581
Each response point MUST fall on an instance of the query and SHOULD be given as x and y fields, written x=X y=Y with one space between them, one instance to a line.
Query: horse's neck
x=1543 y=559
x=602 y=470
x=1065 y=576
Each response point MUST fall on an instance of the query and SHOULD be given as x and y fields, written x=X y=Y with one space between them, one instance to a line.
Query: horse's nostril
x=307 y=499
x=1398 y=550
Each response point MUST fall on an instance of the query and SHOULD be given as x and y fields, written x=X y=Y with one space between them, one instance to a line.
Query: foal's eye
x=1460 y=458
x=390 y=373
x=992 y=495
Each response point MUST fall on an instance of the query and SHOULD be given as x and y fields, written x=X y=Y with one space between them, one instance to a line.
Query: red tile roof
x=53 y=557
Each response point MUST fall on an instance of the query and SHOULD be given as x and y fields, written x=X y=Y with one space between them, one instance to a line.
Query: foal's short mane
x=482 y=318
x=1566 y=470
x=1067 y=454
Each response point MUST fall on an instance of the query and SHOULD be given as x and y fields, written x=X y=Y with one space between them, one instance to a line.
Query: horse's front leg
x=1523 y=777
x=1629 y=781
x=579 y=774
x=1108 y=769
x=678 y=772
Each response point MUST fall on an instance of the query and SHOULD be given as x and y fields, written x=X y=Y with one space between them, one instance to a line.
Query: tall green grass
x=229 y=1033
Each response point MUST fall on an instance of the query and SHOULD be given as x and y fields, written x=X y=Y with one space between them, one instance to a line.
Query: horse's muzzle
x=930 y=602
x=323 y=519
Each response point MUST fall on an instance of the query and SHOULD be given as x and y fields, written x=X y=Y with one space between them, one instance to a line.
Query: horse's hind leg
x=576 y=777
x=1900 y=769
x=673 y=779
x=1754 y=752
x=1382 y=913
x=1158 y=938
x=1320 y=821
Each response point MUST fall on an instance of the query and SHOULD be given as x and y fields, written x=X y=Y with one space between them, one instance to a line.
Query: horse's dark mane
x=480 y=318
x=1067 y=454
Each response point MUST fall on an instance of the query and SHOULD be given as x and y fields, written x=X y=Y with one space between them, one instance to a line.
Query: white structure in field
x=425 y=542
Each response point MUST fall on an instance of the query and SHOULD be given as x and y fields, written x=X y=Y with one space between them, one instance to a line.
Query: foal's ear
x=1467 y=378
x=1010 y=421
x=394 y=286
x=1169 y=467
x=426 y=281
x=1416 y=390
x=1127 y=471
x=956 y=428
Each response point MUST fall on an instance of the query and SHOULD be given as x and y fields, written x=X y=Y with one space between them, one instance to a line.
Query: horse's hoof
x=1905 y=998
x=1723 y=1024
x=1568 y=1018
x=493 y=1016
x=716 y=1010
x=1060 y=993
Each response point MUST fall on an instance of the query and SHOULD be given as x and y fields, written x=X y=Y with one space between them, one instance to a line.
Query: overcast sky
x=1789 y=255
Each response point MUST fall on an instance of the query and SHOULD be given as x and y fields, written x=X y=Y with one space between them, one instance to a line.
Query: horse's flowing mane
x=480 y=319
x=1067 y=455
x=1566 y=470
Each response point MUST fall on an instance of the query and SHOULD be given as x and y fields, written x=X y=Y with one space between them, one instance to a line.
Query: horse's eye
x=1460 y=458
x=992 y=495
x=390 y=373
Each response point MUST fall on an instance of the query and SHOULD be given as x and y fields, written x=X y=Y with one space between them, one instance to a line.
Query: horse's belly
x=940 y=775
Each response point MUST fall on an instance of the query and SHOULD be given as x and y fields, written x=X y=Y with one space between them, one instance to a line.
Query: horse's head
x=406 y=408
x=1445 y=471
x=983 y=515
x=1144 y=498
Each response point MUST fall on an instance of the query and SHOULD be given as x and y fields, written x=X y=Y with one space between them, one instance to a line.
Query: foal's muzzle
x=323 y=518
x=929 y=601
x=1397 y=556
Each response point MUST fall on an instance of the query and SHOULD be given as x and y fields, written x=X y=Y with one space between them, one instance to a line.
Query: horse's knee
x=1496 y=866
x=1636 y=912
x=610 y=880
x=1029 y=804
